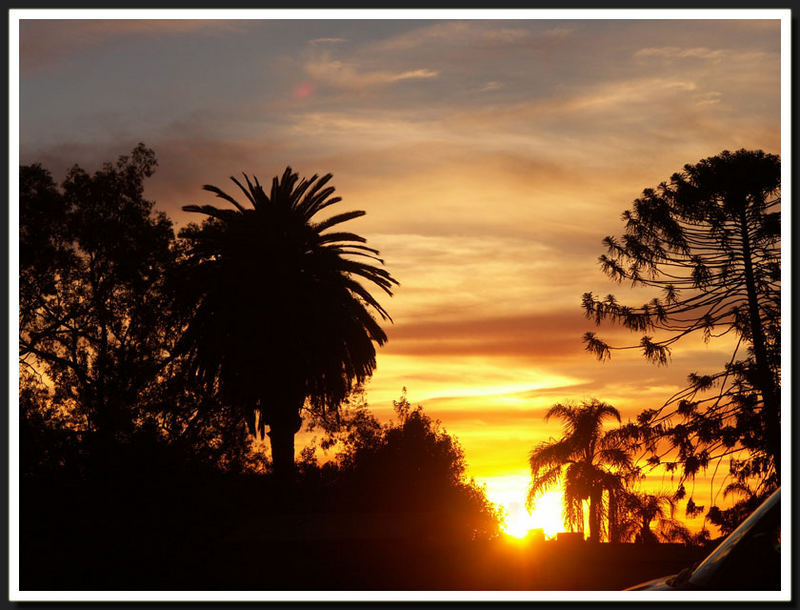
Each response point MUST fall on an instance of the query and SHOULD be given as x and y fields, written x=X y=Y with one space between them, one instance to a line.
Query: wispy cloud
x=348 y=75
x=492 y=85
x=610 y=95
x=681 y=53
x=481 y=34
x=716 y=56
x=322 y=41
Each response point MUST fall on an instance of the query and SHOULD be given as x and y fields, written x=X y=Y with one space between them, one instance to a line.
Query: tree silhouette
x=638 y=512
x=415 y=469
x=710 y=240
x=279 y=319
x=750 y=498
x=583 y=458
x=93 y=258
x=99 y=381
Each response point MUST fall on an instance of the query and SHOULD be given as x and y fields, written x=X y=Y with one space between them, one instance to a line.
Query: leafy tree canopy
x=410 y=467
x=97 y=324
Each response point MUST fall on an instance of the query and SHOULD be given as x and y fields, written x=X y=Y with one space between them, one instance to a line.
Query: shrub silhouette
x=415 y=470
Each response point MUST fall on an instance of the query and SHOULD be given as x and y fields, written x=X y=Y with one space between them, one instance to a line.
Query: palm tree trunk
x=613 y=517
x=281 y=441
x=282 y=428
x=595 y=500
x=647 y=534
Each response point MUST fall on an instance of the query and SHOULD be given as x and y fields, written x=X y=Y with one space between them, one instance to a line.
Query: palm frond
x=210 y=210
x=738 y=488
x=223 y=195
x=309 y=205
x=671 y=530
x=376 y=275
x=615 y=457
x=363 y=293
x=301 y=188
x=328 y=202
x=548 y=454
x=332 y=238
x=247 y=191
x=565 y=412
x=573 y=503
x=339 y=218
x=542 y=482
x=356 y=250
x=606 y=410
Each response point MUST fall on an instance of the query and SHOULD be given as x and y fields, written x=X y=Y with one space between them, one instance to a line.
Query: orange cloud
x=472 y=34
x=347 y=75
x=533 y=336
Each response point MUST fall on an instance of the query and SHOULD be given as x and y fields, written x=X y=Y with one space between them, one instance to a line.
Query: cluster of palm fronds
x=596 y=467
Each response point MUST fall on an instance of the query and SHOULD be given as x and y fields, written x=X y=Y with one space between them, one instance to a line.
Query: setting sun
x=510 y=492
x=546 y=516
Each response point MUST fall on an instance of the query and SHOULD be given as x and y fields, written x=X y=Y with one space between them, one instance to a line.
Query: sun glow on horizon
x=546 y=516
x=510 y=492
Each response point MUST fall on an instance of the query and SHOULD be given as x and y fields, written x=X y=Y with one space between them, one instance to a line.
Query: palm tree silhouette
x=581 y=458
x=639 y=511
x=279 y=320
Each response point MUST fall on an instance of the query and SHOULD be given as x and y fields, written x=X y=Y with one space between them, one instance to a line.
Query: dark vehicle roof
x=704 y=573
x=736 y=563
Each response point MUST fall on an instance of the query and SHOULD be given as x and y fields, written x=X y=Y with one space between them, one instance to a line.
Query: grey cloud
x=492 y=85
x=49 y=40
x=319 y=41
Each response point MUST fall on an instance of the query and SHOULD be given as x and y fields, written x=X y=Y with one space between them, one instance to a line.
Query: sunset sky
x=491 y=156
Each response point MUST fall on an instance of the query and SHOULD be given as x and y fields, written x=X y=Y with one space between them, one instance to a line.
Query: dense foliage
x=411 y=468
x=97 y=327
